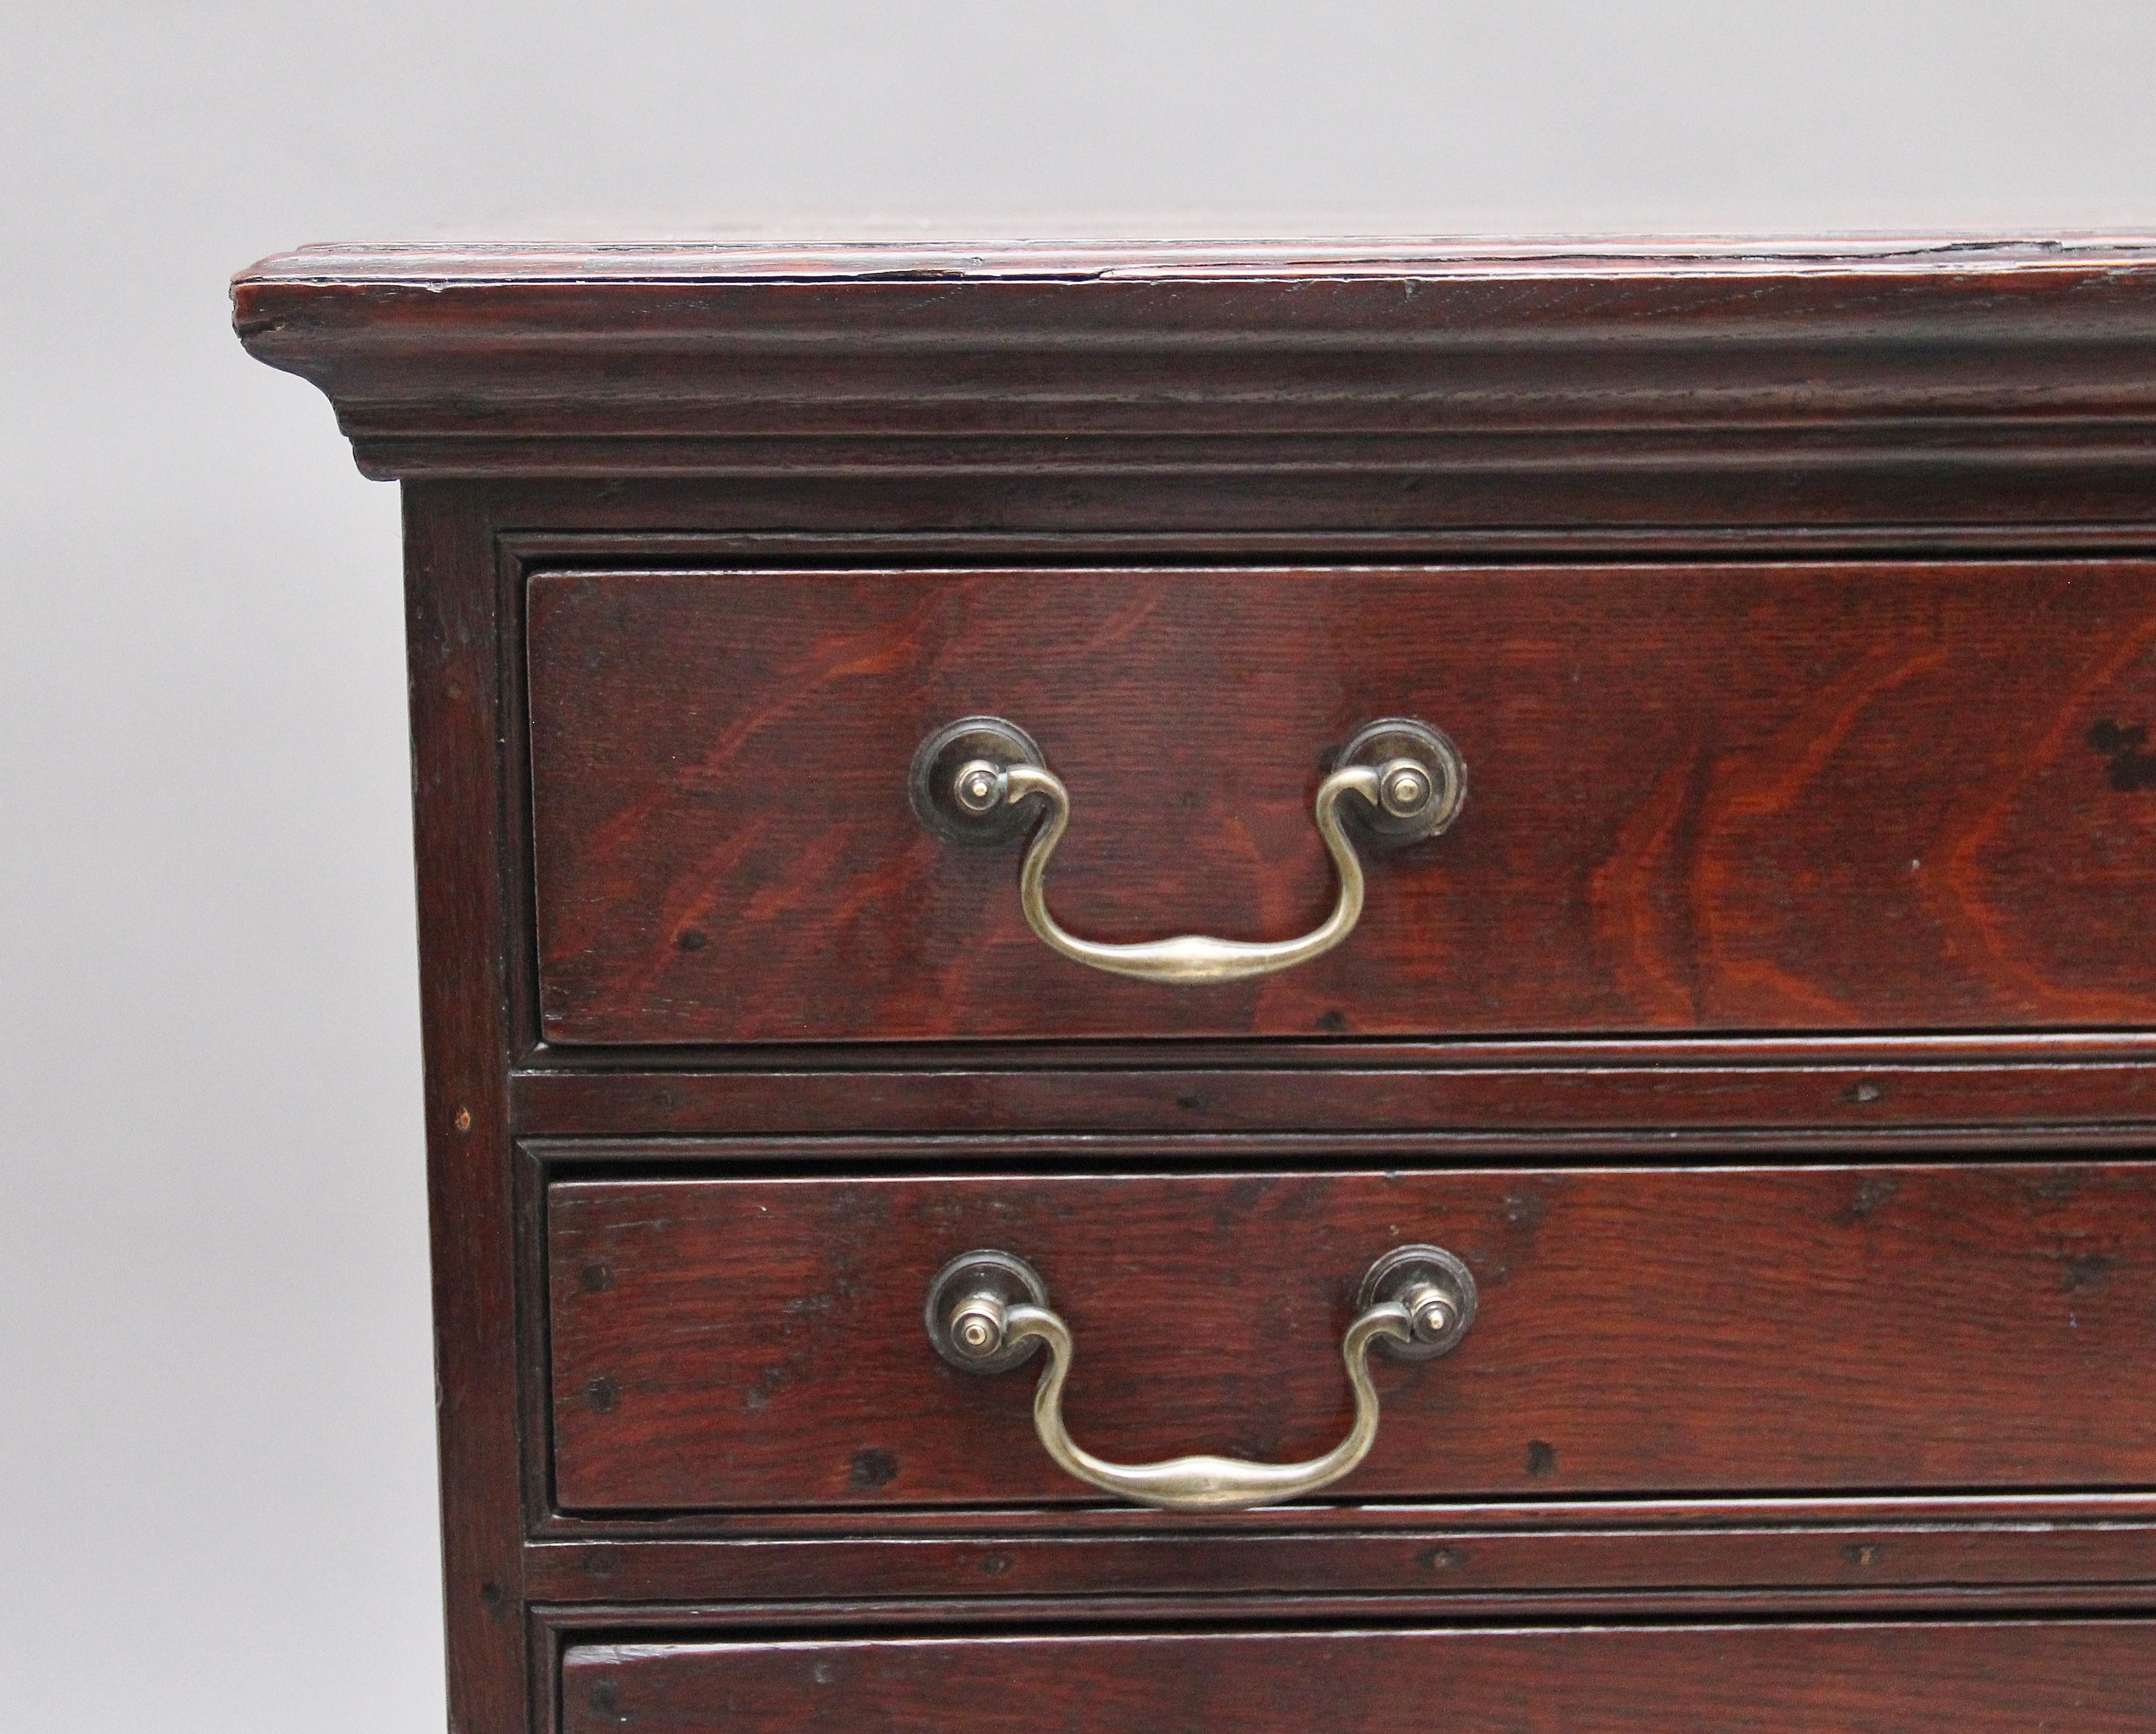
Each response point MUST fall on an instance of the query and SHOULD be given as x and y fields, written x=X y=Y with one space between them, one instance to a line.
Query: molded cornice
x=1710 y=382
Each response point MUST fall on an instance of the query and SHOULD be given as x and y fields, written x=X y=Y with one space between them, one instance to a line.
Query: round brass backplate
x=1402 y=1272
x=984 y=1272
x=1403 y=739
x=932 y=782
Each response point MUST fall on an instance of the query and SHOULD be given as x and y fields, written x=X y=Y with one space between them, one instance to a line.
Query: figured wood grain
x=733 y=1345
x=1711 y=797
x=2093 y=1677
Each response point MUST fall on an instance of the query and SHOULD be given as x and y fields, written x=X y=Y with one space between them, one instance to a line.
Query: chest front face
x=1266 y=985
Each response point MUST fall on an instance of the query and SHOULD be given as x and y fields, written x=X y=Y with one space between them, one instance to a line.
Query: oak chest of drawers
x=1281 y=987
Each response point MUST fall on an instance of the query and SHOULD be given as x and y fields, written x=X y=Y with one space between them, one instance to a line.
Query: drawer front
x=1727 y=797
x=2092 y=1677
x=744 y=1344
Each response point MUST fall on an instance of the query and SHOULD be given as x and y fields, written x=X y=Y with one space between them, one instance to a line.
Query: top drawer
x=1758 y=797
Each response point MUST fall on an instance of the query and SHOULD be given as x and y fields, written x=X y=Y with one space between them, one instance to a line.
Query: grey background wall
x=215 y=1390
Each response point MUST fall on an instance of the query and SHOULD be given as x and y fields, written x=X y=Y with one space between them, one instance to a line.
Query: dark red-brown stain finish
x=739 y=1343
x=2006 y=1678
x=1728 y=797
x=1792 y=602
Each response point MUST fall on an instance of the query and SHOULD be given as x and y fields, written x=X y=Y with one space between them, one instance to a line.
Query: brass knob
x=976 y=1328
x=1405 y=788
x=978 y=786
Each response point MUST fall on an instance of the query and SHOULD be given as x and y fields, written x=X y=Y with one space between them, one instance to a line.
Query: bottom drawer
x=2092 y=1677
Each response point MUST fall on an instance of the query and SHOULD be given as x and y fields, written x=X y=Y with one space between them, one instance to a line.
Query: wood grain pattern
x=2093 y=1677
x=733 y=1345
x=1722 y=797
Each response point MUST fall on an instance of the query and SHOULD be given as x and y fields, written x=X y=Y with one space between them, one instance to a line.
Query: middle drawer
x=759 y=1343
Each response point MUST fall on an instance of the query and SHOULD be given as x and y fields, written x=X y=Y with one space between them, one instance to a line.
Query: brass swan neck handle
x=988 y=1311
x=983 y=780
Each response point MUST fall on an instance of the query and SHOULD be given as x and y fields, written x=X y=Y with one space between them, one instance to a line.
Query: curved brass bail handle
x=972 y=778
x=1199 y=1483
x=1189 y=958
x=987 y=1310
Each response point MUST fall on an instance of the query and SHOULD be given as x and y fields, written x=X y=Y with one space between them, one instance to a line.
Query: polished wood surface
x=1711 y=797
x=739 y=1343
x=2007 y=1678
